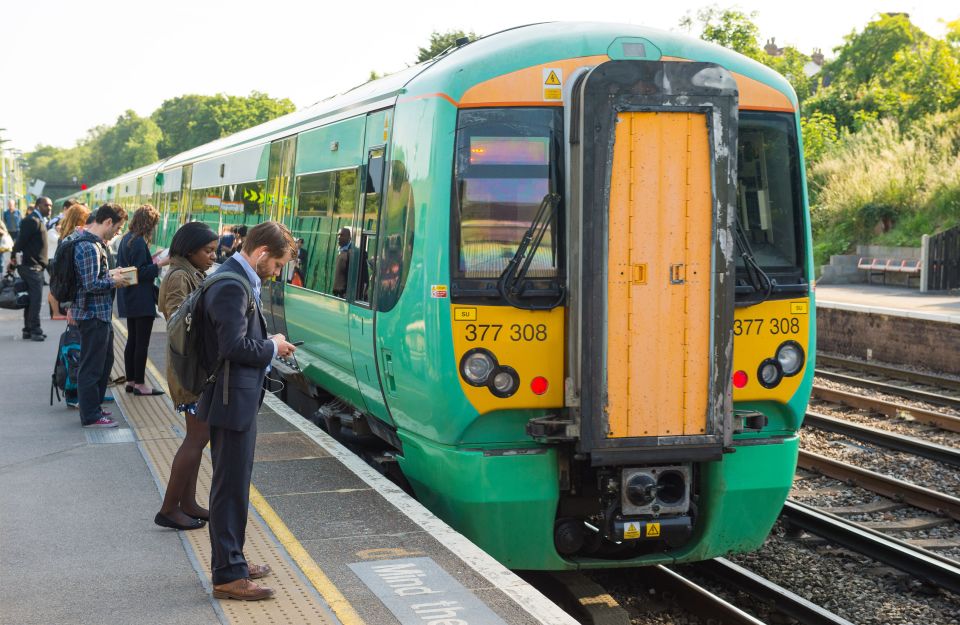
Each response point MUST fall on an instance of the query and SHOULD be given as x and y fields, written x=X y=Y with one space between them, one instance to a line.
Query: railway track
x=931 y=394
x=887 y=408
x=927 y=379
x=890 y=487
x=884 y=438
x=925 y=565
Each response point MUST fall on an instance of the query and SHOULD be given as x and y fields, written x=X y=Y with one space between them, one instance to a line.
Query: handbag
x=13 y=293
x=6 y=242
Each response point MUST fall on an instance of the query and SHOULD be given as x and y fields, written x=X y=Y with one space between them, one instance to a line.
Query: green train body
x=438 y=172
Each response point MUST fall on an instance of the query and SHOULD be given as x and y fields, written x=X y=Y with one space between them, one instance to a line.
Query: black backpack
x=67 y=366
x=63 y=272
x=185 y=338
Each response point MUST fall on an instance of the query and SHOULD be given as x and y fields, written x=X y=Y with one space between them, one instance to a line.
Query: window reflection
x=768 y=200
x=505 y=166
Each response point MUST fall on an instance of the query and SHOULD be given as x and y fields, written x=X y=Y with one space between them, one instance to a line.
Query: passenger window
x=396 y=230
x=325 y=208
x=373 y=192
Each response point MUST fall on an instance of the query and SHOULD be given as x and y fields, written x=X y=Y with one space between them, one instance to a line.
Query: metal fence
x=943 y=260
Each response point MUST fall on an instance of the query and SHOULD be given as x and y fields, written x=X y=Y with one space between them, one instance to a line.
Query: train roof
x=458 y=70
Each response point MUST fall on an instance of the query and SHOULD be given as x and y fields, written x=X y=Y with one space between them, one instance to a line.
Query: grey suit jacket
x=229 y=332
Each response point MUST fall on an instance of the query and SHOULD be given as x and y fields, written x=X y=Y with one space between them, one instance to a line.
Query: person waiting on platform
x=236 y=334
x=193 y=251
x=138 y=303
x=31 y=245
x=92 y=310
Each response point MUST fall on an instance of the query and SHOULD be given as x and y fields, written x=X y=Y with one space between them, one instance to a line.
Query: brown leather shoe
x=242 y=590
x=259 y=570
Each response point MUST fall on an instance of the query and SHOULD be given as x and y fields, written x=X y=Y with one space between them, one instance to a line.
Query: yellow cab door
x=656 y=179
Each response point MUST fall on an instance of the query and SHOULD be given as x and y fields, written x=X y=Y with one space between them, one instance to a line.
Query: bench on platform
x=883 y=266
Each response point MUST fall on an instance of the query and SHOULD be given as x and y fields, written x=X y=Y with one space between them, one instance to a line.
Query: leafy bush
x=887 y=186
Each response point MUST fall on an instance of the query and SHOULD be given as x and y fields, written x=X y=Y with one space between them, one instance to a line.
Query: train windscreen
x=506 y=165
x=769 y=204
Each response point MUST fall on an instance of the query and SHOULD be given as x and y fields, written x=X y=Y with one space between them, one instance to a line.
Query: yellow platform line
x=338 y=603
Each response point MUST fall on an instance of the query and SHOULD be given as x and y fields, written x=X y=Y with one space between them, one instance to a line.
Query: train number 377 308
x=515 y=332
x=775 y=326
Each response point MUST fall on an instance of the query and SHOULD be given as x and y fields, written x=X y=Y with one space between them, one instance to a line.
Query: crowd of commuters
x=233 y=335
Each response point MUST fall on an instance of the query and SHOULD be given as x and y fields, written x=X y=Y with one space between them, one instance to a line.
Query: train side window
x=369 y=225
x=325 y=207
x=396 y=236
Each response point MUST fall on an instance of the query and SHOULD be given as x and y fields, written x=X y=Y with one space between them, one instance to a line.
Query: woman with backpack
x=71 y=224
x=193 y=251
x=138 y=303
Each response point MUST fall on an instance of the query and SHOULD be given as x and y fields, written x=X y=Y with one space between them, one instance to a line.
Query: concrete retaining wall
x=901 y=340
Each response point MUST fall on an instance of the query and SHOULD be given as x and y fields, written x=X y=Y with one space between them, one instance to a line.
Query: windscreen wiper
x=757 y=277
x=511 y=285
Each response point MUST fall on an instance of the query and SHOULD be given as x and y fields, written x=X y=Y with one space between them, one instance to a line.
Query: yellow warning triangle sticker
x=552 y=79
x=653 y=530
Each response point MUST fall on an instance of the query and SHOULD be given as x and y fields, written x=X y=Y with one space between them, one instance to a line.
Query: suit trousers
x=232 y=454
x=33 y=277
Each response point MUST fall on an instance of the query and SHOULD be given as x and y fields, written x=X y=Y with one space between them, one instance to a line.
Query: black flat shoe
x=152 y=392
x=205 y=519
x=128 y=388
x=163 y=521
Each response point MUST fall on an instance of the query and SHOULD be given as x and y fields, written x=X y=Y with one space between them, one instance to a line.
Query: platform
x=890 y=300
x=78 y=545
x=890 y=324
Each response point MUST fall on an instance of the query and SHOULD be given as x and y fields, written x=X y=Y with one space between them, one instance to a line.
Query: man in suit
x=31 y=244
x=342 y=267
x=235 y=333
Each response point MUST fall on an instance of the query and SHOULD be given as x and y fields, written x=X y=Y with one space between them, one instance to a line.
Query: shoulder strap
x=229 y=275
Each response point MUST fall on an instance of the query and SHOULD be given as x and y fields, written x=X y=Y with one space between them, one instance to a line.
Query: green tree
x=819 y=135
x=440 y=42
x=736 y=30
x=186 y=122
x=191 y=120
x=891 y=70
x=128 y=144
x=727 y=27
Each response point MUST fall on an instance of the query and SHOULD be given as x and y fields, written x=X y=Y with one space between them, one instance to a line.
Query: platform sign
x=418 y=591
x=552 y=84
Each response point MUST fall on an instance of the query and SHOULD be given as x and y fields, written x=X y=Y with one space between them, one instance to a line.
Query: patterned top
x=94 y=284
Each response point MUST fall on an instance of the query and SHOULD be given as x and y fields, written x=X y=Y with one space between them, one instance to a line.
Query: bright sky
x=70 y=65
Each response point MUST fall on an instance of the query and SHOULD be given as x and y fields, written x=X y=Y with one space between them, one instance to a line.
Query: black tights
x=181 y=496
x=135 y=353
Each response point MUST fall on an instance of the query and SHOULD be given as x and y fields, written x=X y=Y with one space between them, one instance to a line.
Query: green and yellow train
x=562 y=271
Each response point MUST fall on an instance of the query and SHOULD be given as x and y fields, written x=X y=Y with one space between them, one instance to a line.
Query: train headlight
x=790 y=356
x=505 y=382
x=476 y=366
x=769 y=374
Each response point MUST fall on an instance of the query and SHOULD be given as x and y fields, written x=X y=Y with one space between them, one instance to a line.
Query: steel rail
x=920 y=563
x=695 y=598
x=890 y=440
x=898 y=490
x=891 y=389
x=947 y=422
x=786 y=602
x=889 y=371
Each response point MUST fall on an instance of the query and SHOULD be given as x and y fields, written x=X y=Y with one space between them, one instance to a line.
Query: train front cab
x=643 y=457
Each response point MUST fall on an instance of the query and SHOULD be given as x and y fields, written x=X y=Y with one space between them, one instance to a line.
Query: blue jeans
x=96 y=362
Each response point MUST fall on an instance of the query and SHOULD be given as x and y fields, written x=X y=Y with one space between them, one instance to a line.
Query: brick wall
x=896 y=340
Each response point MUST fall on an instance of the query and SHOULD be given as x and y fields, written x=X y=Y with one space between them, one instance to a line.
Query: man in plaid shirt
x=92 y=311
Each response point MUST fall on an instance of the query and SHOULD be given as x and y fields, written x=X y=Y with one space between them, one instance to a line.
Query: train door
x=363 y=267
x=657 y=146
x=279 y=200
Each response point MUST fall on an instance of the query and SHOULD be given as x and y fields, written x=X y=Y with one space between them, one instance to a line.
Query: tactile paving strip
x=158 y=430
